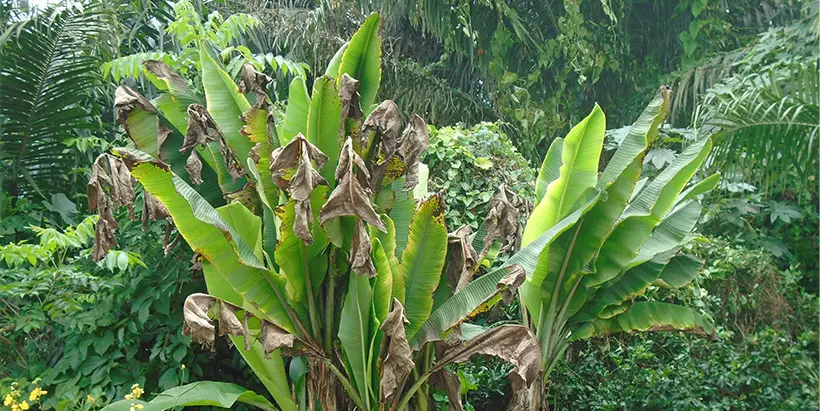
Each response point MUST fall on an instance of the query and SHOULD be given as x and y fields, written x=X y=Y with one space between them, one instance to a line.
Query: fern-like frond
x=131 y=66
x=766 y=126
x=48 y=69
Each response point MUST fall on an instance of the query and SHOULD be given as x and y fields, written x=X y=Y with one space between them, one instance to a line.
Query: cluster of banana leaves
x=324 y=254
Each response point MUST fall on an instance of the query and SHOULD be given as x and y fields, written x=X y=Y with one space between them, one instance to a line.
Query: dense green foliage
x=498 y=82
x=468 y=164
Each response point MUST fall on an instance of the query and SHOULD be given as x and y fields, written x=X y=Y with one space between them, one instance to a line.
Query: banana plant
x=318 y=241
x=616 y=235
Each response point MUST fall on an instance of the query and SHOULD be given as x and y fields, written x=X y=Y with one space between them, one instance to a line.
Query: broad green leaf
x=460 y=305
x=355 y=333
x=402 y=214
x=292 y=254
x=271 y=372
x=332 y=69
x=423 y=261
x=296 y=114
x=550 y=169
x=203 y=393
x=701 y=187
x=207 y=233
x=654 y=316
x=362 y=60
x=383 y=288
x=247 y=225
x=640 y=136
x=645 y=212
x=324 y=119
x=225 y=103
x=388 y=244
x=670 y=234
x=681 y=270
x=579 y=172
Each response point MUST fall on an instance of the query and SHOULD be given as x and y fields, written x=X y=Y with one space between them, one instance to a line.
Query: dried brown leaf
x=292 y=170
x=109 y=174
x=385 y=122
x=202 y=128
x=197 y=322
x=126 y=100
x=352 y=196
x=451 y=385
x=502 y=221
x=360 y=250
x=513 y=343
x=399 y=362
x=414 y=142
x=152 y=210
x=275 y=337
x=194 y=167
x=510 y=283
x=462 y=259
x=162 y=71
x=253 y=81
x=349 y=96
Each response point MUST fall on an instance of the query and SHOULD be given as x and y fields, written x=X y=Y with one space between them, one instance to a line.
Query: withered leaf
x=198 y=323
x=152 y=210
x=398 y=363
x=253 y=81
x=275 y=337
x=176 y=84
x=194 y=167
x=451 y=385
x=360 y=250
x=292 y=170
x=108 y=173
x=126 y=100
x=202 y=128
x=352 y=196
x=511 y=282
x=502 y=220
x=349 y=96
x=228 y=321
x=382 y=125
x=414 y=142
x=462 y=259
x=513 y=343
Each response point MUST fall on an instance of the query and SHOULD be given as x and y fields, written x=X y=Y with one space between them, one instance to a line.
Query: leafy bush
x=765 y=370
x=88 y=328
x=469 y=164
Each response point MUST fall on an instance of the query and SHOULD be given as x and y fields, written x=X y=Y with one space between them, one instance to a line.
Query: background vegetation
x=499 y=81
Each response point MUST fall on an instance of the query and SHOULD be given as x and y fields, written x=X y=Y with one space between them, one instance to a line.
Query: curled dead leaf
x=275 y=337
x=502 y=221
x=462 y=259
x=398 y=363
x=162 y=71
x=194 y=167
x=451 y=385
x=126 y=100
x=152 y=210
x=202 y=128
x=510 y=283
x=352 y=196
x=512 y=343
x=197 y=322
x=414 y=142
x=292 y=170
x=351 y=109
x=385 y=123
x=109 y=173
x=253 y=81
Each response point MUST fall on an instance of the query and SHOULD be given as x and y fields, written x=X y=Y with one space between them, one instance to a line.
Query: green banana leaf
x=203 y=393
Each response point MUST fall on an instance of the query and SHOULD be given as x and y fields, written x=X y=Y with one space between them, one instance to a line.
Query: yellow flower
x=15 y=407
x=89 y=398
x=129 y=396
x=8 y=400
x=139 y=406
x=24 y=406
x=36 y=394
x=132 y=409
x=182 y=366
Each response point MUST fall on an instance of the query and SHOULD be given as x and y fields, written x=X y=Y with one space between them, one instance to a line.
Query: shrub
x=469 y=164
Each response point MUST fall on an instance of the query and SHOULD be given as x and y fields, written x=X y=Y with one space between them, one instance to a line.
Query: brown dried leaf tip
x=200 y=318
x=398 y=363
x=512 y=343
x=352 y=198
x=291 y=168
x=254 y=82
x=462 y=259
x=502 y=221
x=202 y=130
x=109 y=173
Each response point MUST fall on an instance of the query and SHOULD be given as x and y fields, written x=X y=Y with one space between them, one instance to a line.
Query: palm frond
x=766 y=125
x=48 y=71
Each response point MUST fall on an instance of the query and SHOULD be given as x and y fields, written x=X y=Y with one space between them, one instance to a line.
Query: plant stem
x=346 y=384
x=314 y=317
x=329 y=305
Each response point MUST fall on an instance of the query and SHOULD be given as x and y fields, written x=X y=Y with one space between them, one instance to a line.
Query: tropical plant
x=320 y=252
x=47 y=76
x=611 y=237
